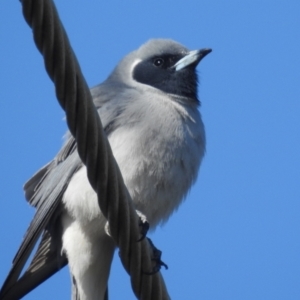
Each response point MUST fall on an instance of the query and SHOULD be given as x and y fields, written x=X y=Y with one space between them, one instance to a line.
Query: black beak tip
x=204 y=52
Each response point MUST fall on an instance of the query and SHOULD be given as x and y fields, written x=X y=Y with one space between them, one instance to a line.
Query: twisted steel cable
x=94 y=150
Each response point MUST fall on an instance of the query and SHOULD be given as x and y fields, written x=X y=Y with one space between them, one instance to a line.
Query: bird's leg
x=143 y=225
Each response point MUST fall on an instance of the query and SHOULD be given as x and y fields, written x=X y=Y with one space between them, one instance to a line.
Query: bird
x=149 y=109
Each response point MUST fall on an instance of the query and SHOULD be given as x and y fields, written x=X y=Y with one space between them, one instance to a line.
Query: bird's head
x=165 y=65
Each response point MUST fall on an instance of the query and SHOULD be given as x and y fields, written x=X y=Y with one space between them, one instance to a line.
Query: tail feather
x=46 y=262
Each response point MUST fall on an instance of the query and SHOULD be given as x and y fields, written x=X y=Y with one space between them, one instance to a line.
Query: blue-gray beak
x=191 y=58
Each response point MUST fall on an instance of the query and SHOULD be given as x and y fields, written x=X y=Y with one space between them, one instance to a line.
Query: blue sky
x=237 y=234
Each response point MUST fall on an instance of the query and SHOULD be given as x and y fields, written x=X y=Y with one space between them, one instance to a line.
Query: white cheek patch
x=137 y=61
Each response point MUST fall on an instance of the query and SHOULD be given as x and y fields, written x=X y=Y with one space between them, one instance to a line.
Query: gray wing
x=44 y=191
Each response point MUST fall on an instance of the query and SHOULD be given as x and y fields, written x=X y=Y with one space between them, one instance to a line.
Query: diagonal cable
x=84 y=123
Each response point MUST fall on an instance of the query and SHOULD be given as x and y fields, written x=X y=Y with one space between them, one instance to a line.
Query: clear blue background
x=237 y=234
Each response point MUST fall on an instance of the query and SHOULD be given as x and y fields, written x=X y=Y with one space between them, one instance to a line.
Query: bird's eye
x=158 y=62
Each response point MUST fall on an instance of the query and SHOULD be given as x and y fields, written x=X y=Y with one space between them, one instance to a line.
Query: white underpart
x=158 y=163
x=88 y=248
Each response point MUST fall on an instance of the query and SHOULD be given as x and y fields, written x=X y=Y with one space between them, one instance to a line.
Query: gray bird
x=149 y=110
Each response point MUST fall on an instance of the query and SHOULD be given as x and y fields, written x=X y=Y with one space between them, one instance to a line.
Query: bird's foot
x=156 y=257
